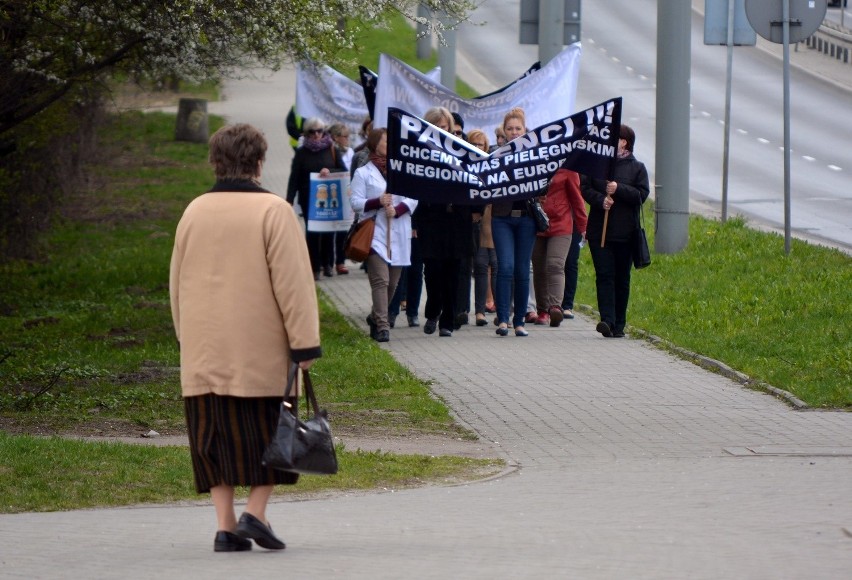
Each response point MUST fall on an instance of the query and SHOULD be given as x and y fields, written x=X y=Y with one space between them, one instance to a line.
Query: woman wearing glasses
x=317 y=154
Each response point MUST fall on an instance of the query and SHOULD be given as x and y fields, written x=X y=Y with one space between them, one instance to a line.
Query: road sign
x=716 y=23
x=530 y=21
x=767 y=19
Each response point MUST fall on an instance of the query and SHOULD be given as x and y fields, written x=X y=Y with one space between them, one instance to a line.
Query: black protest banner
x=432 y=165
x=369 y=80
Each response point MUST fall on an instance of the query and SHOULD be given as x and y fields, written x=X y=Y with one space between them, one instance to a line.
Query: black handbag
x=301 y=446
x=542 y=222
x=641 y=252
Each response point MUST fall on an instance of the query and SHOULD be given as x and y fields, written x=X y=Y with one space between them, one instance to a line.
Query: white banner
x=546 y=94
x=329 y=95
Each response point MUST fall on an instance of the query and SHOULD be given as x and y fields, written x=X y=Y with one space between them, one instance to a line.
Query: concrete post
x=551 y=18
x=424 y=43
x=672 y=149
x=447 y=55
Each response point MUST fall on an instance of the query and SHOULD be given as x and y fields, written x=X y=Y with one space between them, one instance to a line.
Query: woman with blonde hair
x=514 y=235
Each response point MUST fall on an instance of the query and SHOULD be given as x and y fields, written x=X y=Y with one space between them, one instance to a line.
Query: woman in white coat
x=391 y=247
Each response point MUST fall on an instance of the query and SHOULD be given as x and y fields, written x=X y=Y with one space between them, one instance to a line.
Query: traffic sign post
x=551 y=24
x=783 y=22
x=725 y=23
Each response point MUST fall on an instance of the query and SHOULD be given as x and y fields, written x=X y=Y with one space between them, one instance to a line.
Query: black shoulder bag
x=641 y=252
x=301 y=446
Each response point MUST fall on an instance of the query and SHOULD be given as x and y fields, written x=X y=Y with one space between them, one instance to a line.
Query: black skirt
x=227 y=437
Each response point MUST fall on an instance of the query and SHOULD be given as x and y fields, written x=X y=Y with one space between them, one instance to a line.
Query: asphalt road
x=619 y=59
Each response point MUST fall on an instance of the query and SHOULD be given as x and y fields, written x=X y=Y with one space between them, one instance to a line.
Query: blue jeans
x=572 y=269
x=514 y=238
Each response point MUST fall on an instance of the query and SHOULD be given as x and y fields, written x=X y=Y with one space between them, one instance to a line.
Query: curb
x=708 y=363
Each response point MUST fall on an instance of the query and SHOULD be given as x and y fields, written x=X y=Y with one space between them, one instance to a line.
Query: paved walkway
x=632 y=464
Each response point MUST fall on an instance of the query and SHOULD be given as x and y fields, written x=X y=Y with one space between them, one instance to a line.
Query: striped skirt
x=227 y=437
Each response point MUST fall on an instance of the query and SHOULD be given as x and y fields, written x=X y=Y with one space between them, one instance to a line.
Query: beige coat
x=243 y=296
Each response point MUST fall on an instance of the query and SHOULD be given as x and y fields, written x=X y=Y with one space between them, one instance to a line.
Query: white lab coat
x=369 y=183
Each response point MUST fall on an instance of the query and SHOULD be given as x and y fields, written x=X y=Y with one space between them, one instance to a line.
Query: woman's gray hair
x=312 y=123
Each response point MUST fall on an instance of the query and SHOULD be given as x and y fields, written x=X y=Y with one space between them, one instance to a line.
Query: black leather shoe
x=251 y=527
x=431 y=326
x=618 y=333
x=445 y=332
x=413 y=321
x=228 y=542
x=604 y=329
x=383 y=336
x=372 y=325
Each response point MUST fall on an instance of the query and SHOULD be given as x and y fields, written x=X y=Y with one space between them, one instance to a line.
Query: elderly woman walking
x=244 y=308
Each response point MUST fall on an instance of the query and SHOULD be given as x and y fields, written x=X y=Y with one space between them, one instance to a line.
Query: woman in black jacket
x=317 y=154
x=445 y=234
x=622 y=198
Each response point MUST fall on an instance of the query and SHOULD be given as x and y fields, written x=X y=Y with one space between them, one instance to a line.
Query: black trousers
x=320 y=249
x=612 y=280
x=442 y=286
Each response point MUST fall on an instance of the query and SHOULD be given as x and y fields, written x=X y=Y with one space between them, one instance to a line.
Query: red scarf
x=380 y=162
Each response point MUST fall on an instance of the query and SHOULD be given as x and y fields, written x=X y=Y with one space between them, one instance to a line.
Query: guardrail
x=832 y=41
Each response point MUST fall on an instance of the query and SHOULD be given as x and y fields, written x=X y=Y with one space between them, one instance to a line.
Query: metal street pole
x=786 y=41
x=674 y=19
x=551 y=18
x=728 y=83
x=424 y=42
x=447 y=54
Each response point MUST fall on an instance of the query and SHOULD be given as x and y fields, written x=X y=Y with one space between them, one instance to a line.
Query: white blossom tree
x=49 y=47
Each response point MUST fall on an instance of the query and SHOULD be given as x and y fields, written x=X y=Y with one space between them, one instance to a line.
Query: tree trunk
x=192 y=121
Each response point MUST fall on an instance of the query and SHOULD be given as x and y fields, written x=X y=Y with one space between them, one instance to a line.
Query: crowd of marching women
x=518 y=270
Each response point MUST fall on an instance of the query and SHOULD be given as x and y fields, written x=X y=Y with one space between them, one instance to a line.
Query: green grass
x=49 y=474
x=399 y=40
x=733 y=295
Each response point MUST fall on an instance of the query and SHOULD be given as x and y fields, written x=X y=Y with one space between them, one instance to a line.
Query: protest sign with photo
x=329 y=209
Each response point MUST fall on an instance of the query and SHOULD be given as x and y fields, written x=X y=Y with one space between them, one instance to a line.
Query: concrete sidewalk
x=632 y=464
